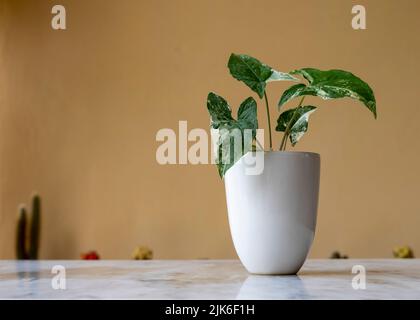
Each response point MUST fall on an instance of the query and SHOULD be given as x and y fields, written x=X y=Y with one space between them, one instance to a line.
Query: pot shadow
x=326 y=284
x=263 y=287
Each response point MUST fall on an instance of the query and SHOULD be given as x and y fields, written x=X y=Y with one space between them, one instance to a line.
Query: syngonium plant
x=331 y=84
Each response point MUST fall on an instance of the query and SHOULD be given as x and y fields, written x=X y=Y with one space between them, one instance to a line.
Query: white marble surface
x=207 y=279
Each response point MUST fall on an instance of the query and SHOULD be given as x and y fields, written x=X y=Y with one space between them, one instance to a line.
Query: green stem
x=289 y=125
x=269 y=121
x=259 y=144
x=285 y=144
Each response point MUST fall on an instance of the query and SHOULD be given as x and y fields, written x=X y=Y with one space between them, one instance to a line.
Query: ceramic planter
x=272 y=216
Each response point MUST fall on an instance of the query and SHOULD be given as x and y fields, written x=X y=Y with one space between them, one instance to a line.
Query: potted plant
x=272 y=215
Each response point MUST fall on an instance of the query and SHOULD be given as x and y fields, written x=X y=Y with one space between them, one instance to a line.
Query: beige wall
x=79 y=111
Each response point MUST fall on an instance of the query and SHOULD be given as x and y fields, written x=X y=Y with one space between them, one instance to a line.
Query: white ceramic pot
x=272 y=216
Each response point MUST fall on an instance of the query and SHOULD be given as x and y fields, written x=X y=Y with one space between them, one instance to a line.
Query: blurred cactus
x=337 y=255
x=142 y=253
x=404 y=252
x=21 y=234
x=35 y=228
x=28 y=235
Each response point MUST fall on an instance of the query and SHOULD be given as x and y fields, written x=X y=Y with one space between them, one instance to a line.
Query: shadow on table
x=257 y=287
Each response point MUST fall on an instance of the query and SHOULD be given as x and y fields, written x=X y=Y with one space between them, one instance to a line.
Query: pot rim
x=288 y=153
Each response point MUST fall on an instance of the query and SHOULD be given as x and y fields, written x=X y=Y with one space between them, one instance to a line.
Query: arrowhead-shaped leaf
x=220 y=111
x=221 y=118
x=247 y=115
x=254 y=73
x=298 y=119
x=331 y=84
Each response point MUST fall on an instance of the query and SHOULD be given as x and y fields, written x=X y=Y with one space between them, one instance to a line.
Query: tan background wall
x=79 y=111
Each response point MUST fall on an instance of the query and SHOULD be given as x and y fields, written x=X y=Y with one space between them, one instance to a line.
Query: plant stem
x=269 y=121
x=289 y=125
x=259 y=144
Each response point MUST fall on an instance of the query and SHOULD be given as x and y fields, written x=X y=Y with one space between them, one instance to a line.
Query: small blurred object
x=28 y=231
x=404 y=252
x=337 y=255
x=142 y=253
x=91 y=255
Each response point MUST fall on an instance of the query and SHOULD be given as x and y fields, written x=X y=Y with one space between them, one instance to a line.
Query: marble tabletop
x=206 y=279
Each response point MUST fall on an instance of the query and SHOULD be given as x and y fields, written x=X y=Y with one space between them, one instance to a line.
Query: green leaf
x=254 y=73
x=331 y=84
x=219 y=110
x=229 y=152
x=298 y=119
x=221 y=118
x=280 y=76
x=294 y=91
x=247 y=115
